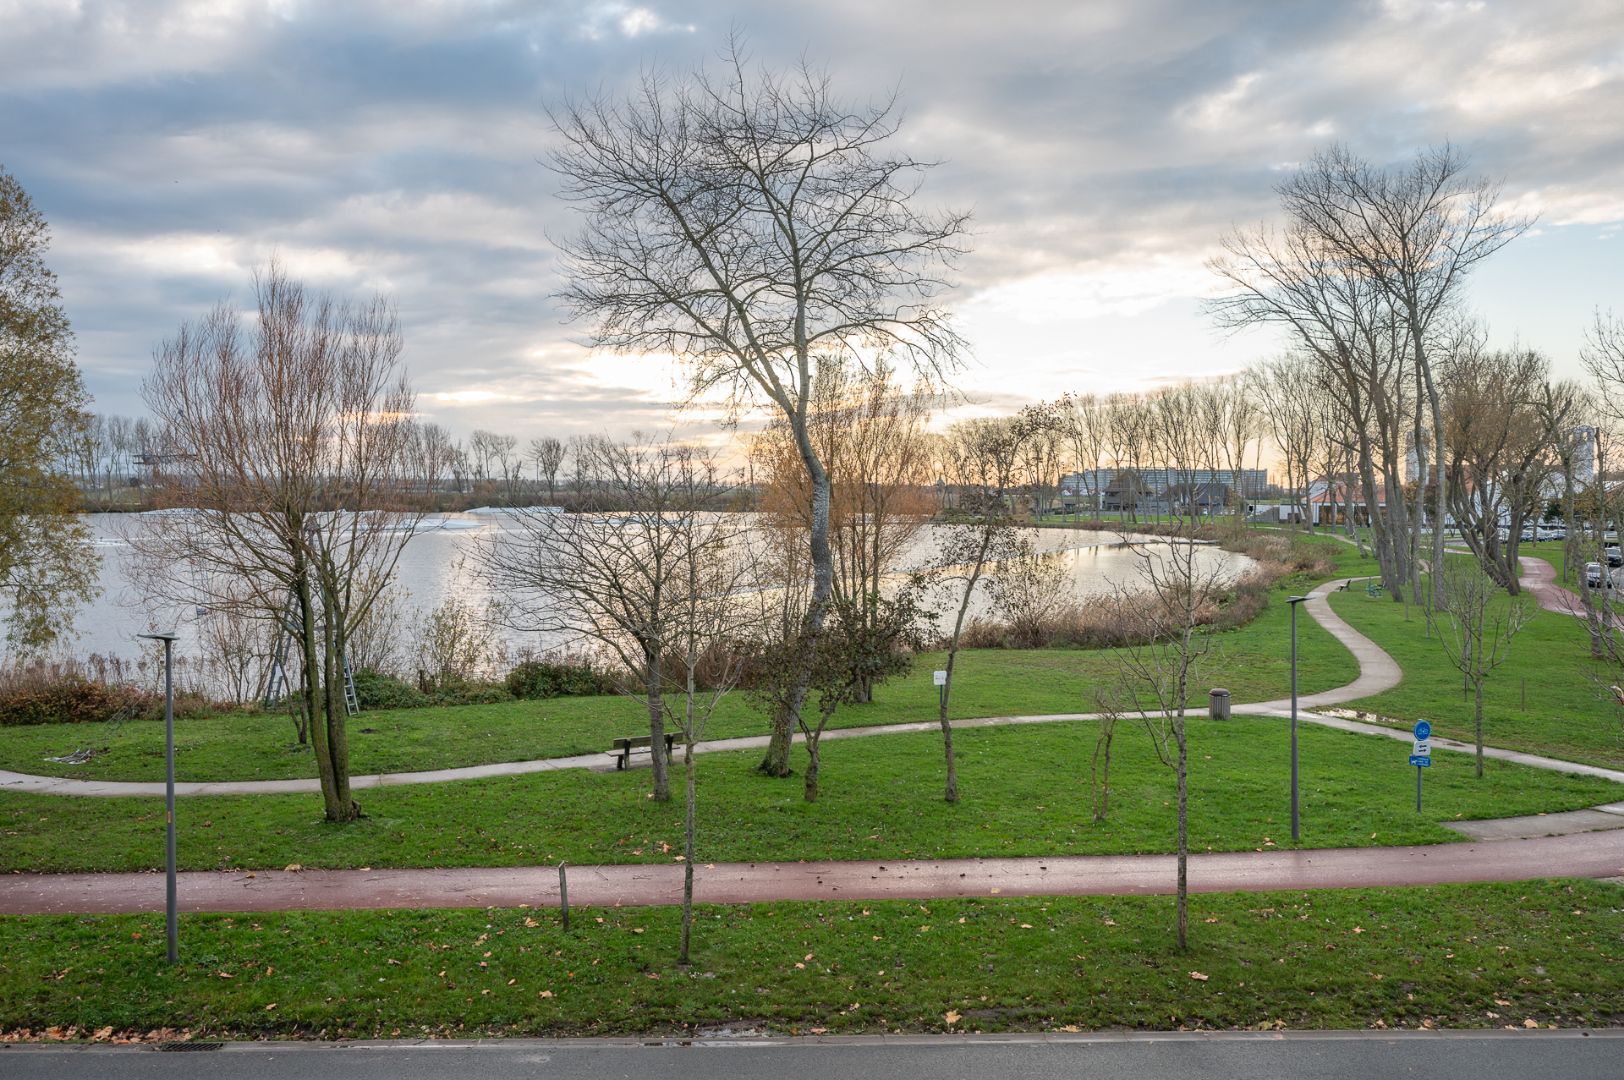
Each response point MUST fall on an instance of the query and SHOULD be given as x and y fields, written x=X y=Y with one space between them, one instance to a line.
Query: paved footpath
x=1510 y=850
x=1539 y=580
x=1593 y=855
x=1377 y=672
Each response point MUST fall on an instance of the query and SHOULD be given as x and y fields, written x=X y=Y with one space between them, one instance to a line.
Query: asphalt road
x=1489 y=1055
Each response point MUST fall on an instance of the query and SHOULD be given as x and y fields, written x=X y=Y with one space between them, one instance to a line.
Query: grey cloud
x=396 y=146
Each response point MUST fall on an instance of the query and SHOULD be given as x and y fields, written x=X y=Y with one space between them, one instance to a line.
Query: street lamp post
x=171 y=922
x=1296 y=831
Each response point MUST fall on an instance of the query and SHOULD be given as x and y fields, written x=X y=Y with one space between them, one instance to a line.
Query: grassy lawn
x=1549 y=697
x=1025 y=791
x=1539 y=953
x=1251 y=661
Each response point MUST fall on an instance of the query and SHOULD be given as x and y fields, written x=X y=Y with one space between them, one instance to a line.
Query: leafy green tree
x=44 y=573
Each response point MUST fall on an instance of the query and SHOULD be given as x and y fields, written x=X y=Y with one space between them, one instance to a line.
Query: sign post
x=940 y=678
x=1421 y=756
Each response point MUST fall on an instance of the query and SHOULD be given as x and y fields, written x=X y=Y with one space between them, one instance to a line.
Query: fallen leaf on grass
x=545 y=994
x=1197 y=976
x=952 y=1017
x=293 y=867
x=1530 y=1023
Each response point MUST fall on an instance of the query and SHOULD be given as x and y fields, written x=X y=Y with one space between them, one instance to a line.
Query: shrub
x=376 y=690
x=557 y=678
x=41 y=695
x=455 y=691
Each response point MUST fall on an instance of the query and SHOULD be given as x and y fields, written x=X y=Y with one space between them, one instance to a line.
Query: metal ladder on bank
x=276 y=684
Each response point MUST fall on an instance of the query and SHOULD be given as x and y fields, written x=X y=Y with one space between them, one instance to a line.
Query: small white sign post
x=940 y=678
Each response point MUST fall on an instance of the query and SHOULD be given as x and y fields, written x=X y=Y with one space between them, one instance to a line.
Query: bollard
x=1218 y=704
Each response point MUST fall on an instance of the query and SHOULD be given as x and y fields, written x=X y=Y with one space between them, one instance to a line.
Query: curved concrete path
x=1377 y=672
x=1593 y=855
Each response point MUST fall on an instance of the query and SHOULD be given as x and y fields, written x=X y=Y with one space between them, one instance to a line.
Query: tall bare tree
x=614 y=579
x=754 y=226
x=548 y=456
x=1496 y=458
x=1373 y=263
x=870 y=433
x=1480 y=623
x=294 y=430
x=982 y=458
x=1178 y=582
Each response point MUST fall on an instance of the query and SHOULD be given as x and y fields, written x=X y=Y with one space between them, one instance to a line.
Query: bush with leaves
x=564 y=677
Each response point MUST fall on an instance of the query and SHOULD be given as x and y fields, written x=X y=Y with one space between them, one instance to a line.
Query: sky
x=1103 y=147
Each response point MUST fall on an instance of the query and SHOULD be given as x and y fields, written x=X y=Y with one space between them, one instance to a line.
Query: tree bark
x=1184 y=834
x=658 y=759
x=776 y=761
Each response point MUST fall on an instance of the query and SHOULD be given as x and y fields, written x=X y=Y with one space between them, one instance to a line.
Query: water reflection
x=436 y=564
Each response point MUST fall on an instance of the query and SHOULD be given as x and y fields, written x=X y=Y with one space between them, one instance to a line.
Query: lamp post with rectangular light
x=171 y=923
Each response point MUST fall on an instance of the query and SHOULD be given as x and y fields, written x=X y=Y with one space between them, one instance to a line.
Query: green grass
x=1025 y=789
x=1447 y=956
x=1252 y=661
x=1549 y=697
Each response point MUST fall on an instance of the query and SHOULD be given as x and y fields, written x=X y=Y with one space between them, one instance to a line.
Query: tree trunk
x=337 y=740
x=1101 y=775
x=312 y=689
x=779 y=739
x=1184 y=834
x=659 y=760
x=776 y=761
x=811 y=768
x=1477 y=717
x=688 y=837
x=951 y=793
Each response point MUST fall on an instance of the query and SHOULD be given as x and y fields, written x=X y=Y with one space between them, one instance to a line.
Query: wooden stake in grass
x=563 y=896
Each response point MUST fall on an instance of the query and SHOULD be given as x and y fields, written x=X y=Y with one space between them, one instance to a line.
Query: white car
x=1596 y=577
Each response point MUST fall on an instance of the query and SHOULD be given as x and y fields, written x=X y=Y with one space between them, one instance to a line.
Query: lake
x=436 y=565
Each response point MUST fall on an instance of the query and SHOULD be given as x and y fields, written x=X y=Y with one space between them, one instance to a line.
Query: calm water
x=436 y=564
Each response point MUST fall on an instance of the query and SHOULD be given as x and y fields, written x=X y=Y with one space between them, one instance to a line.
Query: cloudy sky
x=1103 y=145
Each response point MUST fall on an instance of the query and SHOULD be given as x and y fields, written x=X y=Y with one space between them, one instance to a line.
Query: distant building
x=1584 y=455
x=1110 y=486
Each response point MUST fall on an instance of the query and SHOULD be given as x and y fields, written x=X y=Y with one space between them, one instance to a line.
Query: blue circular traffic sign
x=1423 y=730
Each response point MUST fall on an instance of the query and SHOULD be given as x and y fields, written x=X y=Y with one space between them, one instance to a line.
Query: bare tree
x=870 y=434
x=615 y=580
x=754 y=227
x=295 y=432
x=981 y=458
x=1176 y=612
x=548 y=456
x=1373 y=264
x=1481 y=623
x=1496 y=458
x=1285 y=387
x=711 y=620
x=1082 y=423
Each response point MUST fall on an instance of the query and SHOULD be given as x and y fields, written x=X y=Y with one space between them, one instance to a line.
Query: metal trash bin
x=1218 y=704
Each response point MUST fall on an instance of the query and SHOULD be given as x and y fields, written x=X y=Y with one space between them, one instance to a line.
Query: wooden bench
x=624 y=748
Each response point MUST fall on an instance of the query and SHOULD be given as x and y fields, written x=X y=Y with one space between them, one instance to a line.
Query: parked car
x=1597 y=578
x=1613 y=555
